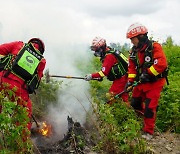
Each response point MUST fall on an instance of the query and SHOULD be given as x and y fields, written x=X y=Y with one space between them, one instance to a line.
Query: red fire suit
x=145 y=96
x=118 y=85
x=15 y=81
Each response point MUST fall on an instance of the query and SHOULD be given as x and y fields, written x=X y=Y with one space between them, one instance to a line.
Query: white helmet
x=135 y=30
x=97 y=43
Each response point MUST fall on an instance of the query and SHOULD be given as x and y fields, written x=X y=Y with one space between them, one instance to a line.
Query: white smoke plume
x=74 y=96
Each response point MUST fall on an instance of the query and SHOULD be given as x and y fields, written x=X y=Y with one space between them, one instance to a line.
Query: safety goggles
x=93 y=48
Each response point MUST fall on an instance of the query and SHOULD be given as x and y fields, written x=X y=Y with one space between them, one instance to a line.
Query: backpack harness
x=120 y=68
x=24 y=65
x=148 y=61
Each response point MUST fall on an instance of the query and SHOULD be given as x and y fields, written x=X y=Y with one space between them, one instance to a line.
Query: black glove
x=100 y=79
x=128 y=86
x=145 y=77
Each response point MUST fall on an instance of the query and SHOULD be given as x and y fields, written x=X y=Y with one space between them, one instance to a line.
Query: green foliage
x=80 y=141
x=173 y=57
x=169 y=106
x=120 y=129
x=124 y=48
x=169 y=42
x=13 y=125
x=94 y=65
x=46 y=94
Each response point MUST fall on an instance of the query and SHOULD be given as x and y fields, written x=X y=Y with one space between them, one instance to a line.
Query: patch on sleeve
x=155 y=61
x=103 y=69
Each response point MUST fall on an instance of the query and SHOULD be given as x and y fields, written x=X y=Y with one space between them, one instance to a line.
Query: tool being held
x=37 y=124
x=48 y=76
x=128 y=89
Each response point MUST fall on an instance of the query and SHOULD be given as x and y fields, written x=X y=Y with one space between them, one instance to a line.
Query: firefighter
x=147 y=64
x=21 y=67
x=114 y=67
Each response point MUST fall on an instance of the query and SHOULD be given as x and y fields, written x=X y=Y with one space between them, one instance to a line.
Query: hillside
x=107 y=129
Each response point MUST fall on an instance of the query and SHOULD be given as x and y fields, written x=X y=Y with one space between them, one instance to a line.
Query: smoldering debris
x=77 y=140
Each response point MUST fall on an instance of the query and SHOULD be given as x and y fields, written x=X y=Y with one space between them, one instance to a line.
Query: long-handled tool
x=37 y=124
x=47 y=75
x=124 y=91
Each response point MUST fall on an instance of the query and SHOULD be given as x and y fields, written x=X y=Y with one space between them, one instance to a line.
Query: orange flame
x=46 y=129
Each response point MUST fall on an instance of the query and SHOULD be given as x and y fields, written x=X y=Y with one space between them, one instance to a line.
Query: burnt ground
x=78 y=141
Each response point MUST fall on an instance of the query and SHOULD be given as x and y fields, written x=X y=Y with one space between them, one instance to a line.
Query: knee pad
x=148 y=113
x=136 y=103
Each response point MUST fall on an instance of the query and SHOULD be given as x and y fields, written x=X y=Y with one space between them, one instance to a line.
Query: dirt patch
x=165 y=143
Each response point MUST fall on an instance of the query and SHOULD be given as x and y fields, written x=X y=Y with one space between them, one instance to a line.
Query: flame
x=46 y=129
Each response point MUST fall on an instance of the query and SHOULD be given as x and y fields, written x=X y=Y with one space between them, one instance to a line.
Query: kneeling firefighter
x=114 y=67
x=21 y=67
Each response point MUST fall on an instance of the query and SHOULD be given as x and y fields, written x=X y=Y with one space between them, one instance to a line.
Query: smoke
x=73 y=96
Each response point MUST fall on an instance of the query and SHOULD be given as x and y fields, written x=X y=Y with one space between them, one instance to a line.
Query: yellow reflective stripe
x=131 y=75
x=152 y=69
x=101 y=73
x=123 y=57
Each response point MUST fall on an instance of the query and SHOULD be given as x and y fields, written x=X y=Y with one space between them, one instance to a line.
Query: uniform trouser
x=147 y=102
x=118 y=86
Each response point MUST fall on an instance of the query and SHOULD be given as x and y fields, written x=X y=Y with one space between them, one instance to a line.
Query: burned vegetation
x=76 y=140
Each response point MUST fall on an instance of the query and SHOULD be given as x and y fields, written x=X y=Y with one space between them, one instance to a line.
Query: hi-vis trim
x=152 y=69
x=101 y=73
x=131 y=75
x=123 y=57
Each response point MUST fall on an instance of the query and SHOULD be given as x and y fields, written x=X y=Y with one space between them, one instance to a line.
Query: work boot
x=147 y=136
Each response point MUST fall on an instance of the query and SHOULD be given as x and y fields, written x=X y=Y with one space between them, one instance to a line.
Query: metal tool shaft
x=69 y=77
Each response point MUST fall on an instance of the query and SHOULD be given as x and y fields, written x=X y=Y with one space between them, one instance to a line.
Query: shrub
x=13 y=125
x=169 y=107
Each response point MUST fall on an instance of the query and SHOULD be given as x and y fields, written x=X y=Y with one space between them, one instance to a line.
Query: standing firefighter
x=114 y=67
x=21 y=67
x=147 y=64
